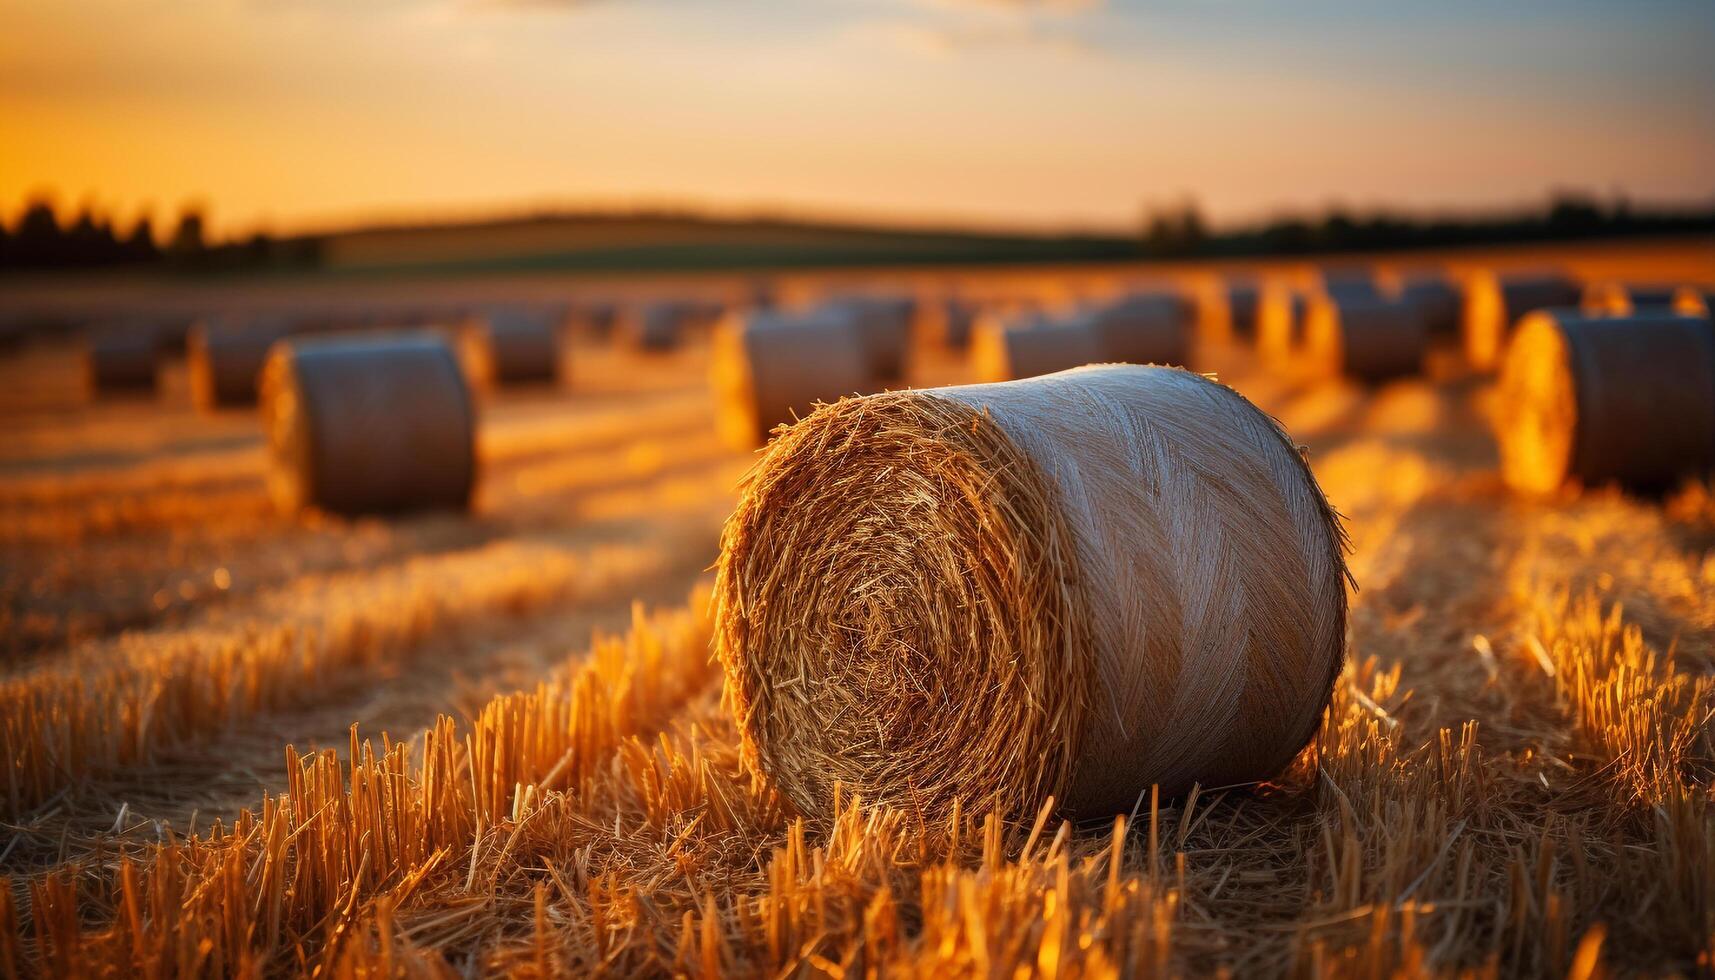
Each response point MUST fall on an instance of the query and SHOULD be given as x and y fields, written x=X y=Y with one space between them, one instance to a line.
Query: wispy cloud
x=942 y=28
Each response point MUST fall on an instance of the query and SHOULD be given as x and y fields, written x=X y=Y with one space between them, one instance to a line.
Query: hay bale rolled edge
x=1494 y=304
x=376 y=424
x=768 y=369
x=1607 y=399
x=1280 y=322
x=999 y=592
x=1368 y=339
x=1695 y=301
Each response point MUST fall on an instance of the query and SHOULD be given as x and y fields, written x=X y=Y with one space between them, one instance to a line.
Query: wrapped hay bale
x=1078 y=585
x=1629 y=400
x=654 y=328
x=1368 y=339
x=224 y=358
x=1436 y=299
x=360 y=425
x=883 y=326
x=512 y=346
x=1009 y=348
x=1280 y=322
x=769 y=369
x=1144 y=328
x=1613 y=298
x=1494 y=304
x=119 y=358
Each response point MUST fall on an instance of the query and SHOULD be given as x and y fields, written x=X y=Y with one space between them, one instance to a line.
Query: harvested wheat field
x=504 y=740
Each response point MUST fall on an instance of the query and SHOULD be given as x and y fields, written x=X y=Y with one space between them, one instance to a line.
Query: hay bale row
x=993 y=594
x=512 y=346
x=1494 y=304
x=770 y=368
x=1616 y=298
x=1594 y=400
x=363 y=425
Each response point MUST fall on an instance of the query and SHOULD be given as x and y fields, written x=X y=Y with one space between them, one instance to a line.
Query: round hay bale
x=1694 y=301
x=1368 y=339
x=654 y=328
x=1280 y=322
x=1612 y=298
x=1436 y=299
x=224 y=359
x=1144 y=328
x=884 y=328
x=946 y=322
x=119 y=358
x=1350 y=283
x=1010 y=348
x=1227 y=308
x=770 y=369
x=364 y=425
x=506 y=347
x=1078 y=585
x=1494 y=304
x=1627 y=400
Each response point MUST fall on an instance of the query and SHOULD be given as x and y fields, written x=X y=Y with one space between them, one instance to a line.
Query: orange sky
x=301 y=113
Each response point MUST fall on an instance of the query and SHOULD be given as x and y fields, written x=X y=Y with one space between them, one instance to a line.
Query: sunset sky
x=294 y=114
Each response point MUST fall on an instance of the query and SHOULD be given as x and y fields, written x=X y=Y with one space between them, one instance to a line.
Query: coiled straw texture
x=1627 y=400
x=361 y=425
x=1078 y=585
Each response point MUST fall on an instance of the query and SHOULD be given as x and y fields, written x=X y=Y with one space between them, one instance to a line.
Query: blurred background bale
x=368 y=424
x=120 y=357
x=1144 y=328
x=224 y=358
x=1280 y=322
x=1613 y=297
x=512 y=345
x=654 y=328
x=1695 y=301
x=770 y=368
x=1494 y=302
x=1007 y=347
x=1366 y=338
x=884 y=327
x=1087 y=612
x=945 y=322
x=1594 y=400
x=1436 y=297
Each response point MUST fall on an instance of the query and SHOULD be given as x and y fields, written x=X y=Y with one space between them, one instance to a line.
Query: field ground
x=1514 y=776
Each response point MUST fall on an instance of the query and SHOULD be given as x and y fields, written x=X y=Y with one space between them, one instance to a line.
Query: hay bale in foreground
x=1494 y=304
x=360 y=425
x=1144 y=328
x=1368 y=339
x=512 y=346
x=1077 y=585
x=1627 y=400
x=769 y=369
x=224 y=359
x=1614 y=298
x=1007 y=348
x=119 y=358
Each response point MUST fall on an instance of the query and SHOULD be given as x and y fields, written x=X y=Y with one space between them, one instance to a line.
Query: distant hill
x=669 y=241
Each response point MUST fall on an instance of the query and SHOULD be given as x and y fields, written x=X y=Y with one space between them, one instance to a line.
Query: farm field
x=237 y=743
